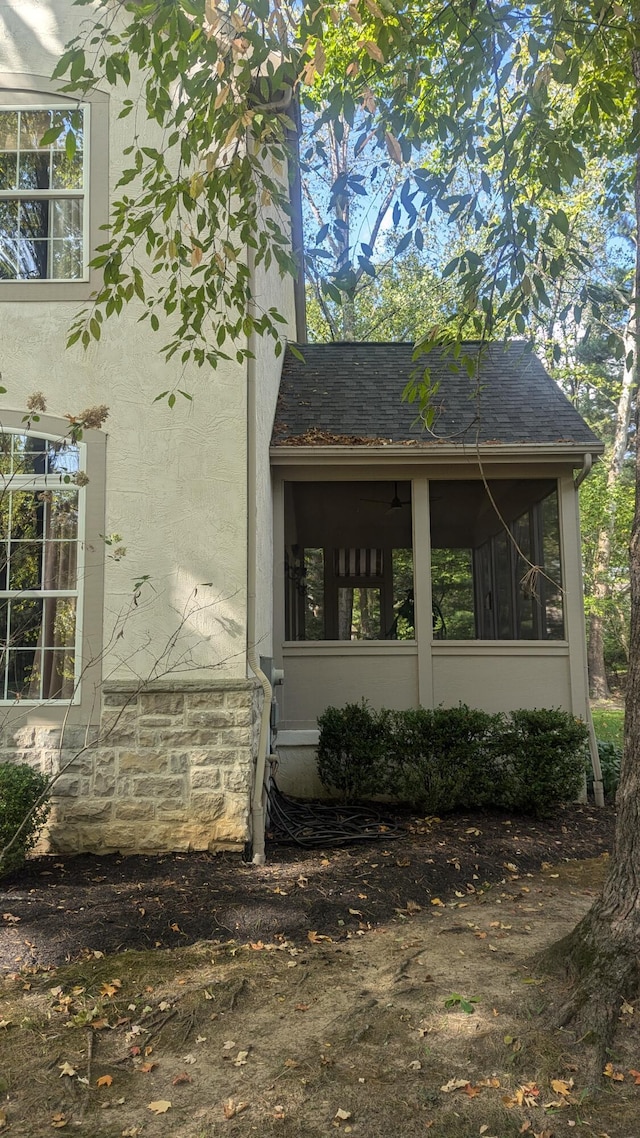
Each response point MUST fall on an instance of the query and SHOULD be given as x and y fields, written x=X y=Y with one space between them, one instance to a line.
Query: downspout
x=598 y=786
x=256 y=819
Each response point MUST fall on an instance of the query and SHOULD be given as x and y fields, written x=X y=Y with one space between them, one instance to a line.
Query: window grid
x=53 y=195
x=44 y=656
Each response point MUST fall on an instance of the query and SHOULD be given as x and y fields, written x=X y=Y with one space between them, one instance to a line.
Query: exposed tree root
x=602 y=964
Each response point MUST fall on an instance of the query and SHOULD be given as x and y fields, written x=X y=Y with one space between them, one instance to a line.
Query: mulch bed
x=60 y=908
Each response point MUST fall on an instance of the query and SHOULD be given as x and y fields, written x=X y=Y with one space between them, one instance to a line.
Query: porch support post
x=422 y=582
x=574 y=618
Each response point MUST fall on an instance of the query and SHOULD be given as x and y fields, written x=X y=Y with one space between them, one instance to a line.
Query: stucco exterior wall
x=176 y=494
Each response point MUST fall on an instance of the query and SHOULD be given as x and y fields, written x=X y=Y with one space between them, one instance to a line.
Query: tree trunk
x=601 y=954
x=601 y=588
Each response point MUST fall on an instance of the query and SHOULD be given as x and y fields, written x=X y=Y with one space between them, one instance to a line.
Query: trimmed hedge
x=20 y=789
x=443 y=759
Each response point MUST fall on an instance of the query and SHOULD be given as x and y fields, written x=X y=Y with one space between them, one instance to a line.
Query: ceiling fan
x=396 y=502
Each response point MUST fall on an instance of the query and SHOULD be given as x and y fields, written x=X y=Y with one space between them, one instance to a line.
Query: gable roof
x=350 y=394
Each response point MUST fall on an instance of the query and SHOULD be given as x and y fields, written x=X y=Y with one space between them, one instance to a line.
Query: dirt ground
x=69 y=906
x=404 y=1000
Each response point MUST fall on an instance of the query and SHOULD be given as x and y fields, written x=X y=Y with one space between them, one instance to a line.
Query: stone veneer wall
x=171 y=769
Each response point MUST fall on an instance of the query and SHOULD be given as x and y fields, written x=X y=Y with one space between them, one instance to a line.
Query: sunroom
x=424 y=567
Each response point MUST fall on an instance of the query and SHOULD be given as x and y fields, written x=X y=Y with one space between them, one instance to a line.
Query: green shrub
x=353 y=741
x=20 y=789
x=445 y=759
x=442 y=759
x=543 y=762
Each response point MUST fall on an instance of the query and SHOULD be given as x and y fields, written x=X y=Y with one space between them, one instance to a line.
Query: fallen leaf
x=104 y=1081
x=10 y=918
x=314 y=937
x=471 y=1091
x=66 y=1069
x=131 y=1132
x=415 y=1065
x=291 y=1063
x=231 y=1108
x=414 y=907
x=626 y=1009
x=636 y=1077
x=229 y=1045
x=201 y=1039
x=278 y=1112
x=189 y=1058
x=183 y=1077
x=436 y=901
x=58 y=1121
x=491 y=1082
x=145 y=1068
x=3 y=1119
x=343 y=1115
x=610 y=1073
x=562 y=1086
x=301 y=1008
x=160 y=1106
x=241 y=1059
x=454 y=1085
x=5 y=1023
x=109 y=989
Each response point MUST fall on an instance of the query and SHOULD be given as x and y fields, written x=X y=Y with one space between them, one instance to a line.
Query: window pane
x=403 y=627
x=63 y=457
x=452 y=594
x=24 y=679
x=33 y=125
x=34 y=171
x=26 y=515
x=67 y=173
x=8 y=259
x=551 y=584
x=314 y=594
x=25 y=565
x=8 y=171
x=62 y=514
x=359 y=614
x=59 y=629
x=8 y=130
x=25 y=622
x=66 y=218
x=66 y=260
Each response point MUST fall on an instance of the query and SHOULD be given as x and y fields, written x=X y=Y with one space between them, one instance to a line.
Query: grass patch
x=609 y=724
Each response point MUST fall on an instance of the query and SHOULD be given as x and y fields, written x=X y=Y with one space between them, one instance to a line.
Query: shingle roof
x=351 y=394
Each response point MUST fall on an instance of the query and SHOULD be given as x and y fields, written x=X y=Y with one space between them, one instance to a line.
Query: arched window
x=42 y=514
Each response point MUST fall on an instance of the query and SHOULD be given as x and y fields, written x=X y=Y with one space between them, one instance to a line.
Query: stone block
x=206 y=807
x=119 y=699
x=214 y=719
x=19 y=737
x=133 y=811
x=179 y=762
x=237 y=779
x=236 y=737
x=168 y=787
x=161 y=703
x=205 y=778
x=67 y=786
x=160 y=721
x=142 y=761
x=169 y=809
x=242 y=699
x=104 y=783
x=205 y=700
x=211 y=757
x=88 y=810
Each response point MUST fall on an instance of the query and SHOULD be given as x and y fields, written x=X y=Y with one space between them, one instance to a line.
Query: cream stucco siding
x=176 y=492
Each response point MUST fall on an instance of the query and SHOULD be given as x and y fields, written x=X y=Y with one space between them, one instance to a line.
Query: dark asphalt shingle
x=348 y=392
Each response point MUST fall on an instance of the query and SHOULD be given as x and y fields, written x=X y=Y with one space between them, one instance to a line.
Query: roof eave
x=408 y=454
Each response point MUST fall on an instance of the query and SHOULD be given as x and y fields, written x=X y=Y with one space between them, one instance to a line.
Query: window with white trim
x=41 y=566
x=43 y=193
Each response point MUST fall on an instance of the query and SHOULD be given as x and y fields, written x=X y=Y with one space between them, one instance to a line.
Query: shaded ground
x=57 y=909
x=365 y=1037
